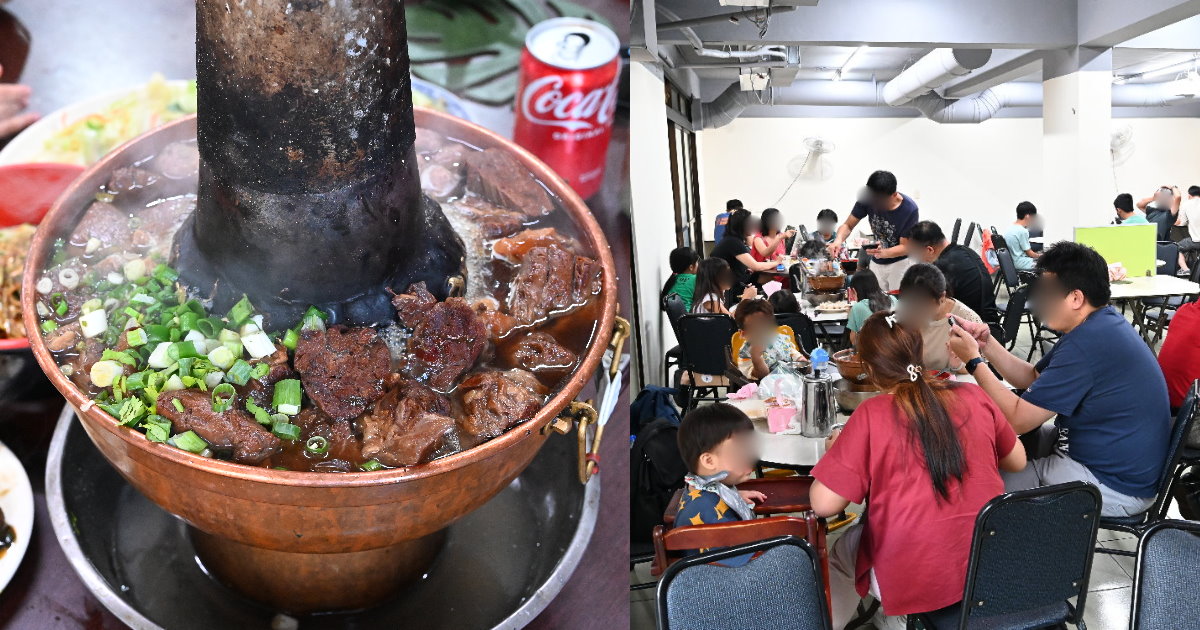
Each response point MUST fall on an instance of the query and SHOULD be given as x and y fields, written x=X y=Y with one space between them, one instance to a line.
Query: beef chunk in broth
x=342 y=369
x=230 y=430
x=263 y=391
x=407 y=425
x=157 y=223
x=490 y=221
x=497 y=323
x=343 y=444
x=504 y=181
x=133 y=185
x=446 y=337
x=539 y=352
x=552 y=281
x=514 y=248
x=178 y=160
x=494 y=401
x=105 y=223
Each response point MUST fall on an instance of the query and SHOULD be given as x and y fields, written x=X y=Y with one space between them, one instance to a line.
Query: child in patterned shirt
x=764 y=348
x=717 y=444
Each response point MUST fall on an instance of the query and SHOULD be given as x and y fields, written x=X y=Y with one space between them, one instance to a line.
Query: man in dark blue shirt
x=892 y=215
x=1100 y=380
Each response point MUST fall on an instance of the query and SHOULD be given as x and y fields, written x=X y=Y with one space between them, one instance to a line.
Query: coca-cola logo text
x=544 y=103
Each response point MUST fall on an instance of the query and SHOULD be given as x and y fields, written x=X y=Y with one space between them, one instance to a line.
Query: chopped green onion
x=371 y=465
x=183 y=350
x=314 y=319
x=287 y=396
x=260 y=414
x=221 y=357
x=317 y=445
x=135 y=381
x=61 y=308
x=175 y=335
x=238 y=373
x=136 y=337
x=290 y=338
x=158 y=428
x=103 y=373
x=223 y=396
x=260 y=371
x=187 y=321
x=165 y=274
x=178 y=405
x=49 y=326
x=189 y=441
x=209 y=327
x=240 y=311
x=174 y=383
x=118 y=356
x=286 y=431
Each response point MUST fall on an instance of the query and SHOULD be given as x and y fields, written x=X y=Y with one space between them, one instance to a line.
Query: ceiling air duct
x=933 y=71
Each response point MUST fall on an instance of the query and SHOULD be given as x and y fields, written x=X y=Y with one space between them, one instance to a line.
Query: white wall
x=977 y=172
x=653 y=208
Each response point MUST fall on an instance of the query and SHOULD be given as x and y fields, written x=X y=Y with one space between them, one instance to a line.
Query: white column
x=1077 y=185
x=653 y=208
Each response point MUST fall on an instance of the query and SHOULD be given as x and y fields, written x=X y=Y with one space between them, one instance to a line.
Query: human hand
x=834 y=248
x=980 y=331
x=833 y=436
x=790 y=233
x=13 y=101
x=753 y=496
x=749 y=293
x=962 y=344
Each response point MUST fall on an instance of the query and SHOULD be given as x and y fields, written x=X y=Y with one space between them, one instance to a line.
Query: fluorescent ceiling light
x=841 y=72
x=1174 y=68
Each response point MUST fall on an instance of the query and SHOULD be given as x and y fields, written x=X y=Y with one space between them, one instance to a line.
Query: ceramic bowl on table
x=849 y=397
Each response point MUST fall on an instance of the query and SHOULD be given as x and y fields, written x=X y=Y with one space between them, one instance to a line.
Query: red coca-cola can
x=567 y=96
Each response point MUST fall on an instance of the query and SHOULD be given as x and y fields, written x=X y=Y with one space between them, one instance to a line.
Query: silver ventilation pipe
x=726 y=107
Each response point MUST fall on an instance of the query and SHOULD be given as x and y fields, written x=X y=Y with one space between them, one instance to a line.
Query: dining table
x=80 y=49
x=790 y=449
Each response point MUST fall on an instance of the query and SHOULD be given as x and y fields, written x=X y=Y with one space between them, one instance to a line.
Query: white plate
x=16 y=499
x=29 y=145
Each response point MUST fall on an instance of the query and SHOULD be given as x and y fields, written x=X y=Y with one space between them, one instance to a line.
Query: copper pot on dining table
x=302 y=541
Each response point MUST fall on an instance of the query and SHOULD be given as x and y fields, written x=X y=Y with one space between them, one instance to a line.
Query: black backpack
x=657 y=471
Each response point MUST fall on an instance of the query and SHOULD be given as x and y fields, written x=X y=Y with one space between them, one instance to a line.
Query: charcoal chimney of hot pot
x=309 y=191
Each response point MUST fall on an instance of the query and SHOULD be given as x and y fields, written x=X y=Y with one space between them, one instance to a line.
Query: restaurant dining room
x=280 y=345
x=915 y=322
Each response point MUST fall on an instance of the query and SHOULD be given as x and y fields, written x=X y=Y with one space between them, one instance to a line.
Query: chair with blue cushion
x=1164 y=590
x=1031 y=553
x=783 y=588
x=1138 y=524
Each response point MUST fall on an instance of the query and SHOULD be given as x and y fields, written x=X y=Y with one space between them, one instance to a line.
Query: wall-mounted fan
x=1120 y=147
x=810 y=164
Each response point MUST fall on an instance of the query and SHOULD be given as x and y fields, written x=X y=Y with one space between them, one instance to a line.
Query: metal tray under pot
x=502 y=564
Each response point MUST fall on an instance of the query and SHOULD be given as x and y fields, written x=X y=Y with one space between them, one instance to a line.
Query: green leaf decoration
x=473 y=47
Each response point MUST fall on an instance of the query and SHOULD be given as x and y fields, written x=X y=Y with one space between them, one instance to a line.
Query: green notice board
x=1134 y=246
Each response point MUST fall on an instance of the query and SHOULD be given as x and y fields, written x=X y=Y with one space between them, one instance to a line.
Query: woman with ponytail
x=924 y=457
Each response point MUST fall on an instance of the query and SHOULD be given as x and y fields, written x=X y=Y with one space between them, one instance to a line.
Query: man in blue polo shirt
x=1117 y=427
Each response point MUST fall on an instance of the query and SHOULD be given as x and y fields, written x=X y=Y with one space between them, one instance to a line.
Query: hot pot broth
x=319 y=396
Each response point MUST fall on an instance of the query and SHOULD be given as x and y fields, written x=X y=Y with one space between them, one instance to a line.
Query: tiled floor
x=1109 y=590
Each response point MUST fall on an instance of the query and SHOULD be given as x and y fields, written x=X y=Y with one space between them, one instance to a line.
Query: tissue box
x=779 y=419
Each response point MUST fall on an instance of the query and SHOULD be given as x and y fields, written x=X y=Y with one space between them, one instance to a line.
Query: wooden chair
x=785 y=495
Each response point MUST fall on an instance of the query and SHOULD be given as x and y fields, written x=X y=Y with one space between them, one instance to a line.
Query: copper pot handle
x=584 y=413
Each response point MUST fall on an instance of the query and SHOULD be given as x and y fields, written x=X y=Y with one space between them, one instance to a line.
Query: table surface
x=81 y=48
x=793 y=449
x=1157 y=285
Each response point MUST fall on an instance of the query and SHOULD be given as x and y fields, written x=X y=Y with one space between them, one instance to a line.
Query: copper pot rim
x=450 y=126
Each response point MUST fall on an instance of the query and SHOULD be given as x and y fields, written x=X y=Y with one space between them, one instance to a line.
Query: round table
x=783 y=450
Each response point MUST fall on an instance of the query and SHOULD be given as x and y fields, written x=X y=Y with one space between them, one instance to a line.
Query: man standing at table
x=892 y=215
x=1117 y=428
